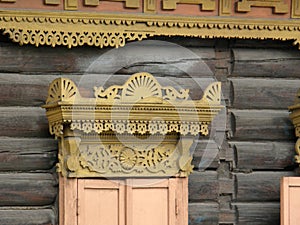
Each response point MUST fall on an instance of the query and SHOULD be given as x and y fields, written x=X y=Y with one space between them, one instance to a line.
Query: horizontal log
x=205 y=155
x=264 y=155
x=25 y=154
x=27 y=217
x=203 y=186
x=261 y=125
x=267 y=43
x=23 y=122
x=257 y=93
x=203 y=213
x=266 y=62
x=258 y=213
x=46 y=59
x=27 y=189
x=32 y=90
x=259 y=186
x=156 y=57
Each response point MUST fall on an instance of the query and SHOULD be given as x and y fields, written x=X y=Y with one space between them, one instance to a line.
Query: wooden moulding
x=295 y=117
x=139 y=129
x=114 y=22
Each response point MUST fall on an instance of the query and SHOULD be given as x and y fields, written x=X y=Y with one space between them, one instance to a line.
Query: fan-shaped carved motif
x=213 y=93
x=140 y=86
x=61 y=89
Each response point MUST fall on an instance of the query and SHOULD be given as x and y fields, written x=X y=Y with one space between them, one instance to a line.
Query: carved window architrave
x=139 y=129
x=136 y=130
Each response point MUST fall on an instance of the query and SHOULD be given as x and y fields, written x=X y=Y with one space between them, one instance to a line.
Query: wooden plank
x=23 y=122
x=32 y=90
x=27 y=189
x=25 y=216
x=284 y=201
x=205 y=155
x=259 y=186
x=203 y=213
x=203 y=186
x=157 y=57
x=258 y=213
x=69 y=206
x=261 y=93
x=266 y=62
x=259 y=125
x=264 y=155
x=182 y=201
x=25 y=154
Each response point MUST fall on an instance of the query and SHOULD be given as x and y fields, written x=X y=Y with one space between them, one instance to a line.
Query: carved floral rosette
x=137 y=129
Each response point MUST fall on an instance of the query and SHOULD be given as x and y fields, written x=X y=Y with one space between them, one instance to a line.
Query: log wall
x=236 y=169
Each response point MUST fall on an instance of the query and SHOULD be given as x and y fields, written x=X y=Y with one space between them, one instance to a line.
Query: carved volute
x=139 y=129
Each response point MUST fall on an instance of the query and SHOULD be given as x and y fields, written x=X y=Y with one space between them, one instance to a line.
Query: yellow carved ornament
x=70 y=24
x=137 y=129
x=295 y=117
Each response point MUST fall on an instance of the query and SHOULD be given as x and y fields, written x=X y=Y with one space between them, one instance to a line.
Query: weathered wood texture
x=258 y=213
x=203 y=186
x=237 y=168
x=161 y=58
x=264 y=155
x=262 y=62
x=261 y=125
x=27 y=189
x=25 y=216
x=203 y=213
x=27 y=154
x=259 y=186
x=264 y=82
x=205 y=155
x=23 y=122
x=261 y=93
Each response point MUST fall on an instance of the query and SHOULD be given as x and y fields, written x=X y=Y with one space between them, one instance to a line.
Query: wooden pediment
x=137 y=129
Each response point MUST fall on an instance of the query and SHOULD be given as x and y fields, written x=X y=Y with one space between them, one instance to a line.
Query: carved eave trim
x=76 y=29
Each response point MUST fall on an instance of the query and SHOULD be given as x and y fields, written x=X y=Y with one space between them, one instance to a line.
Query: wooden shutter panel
x=150 y=201
x=132 y=202
x=101 y=202
x=289 y=200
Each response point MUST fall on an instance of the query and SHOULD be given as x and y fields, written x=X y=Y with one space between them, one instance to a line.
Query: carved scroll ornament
x=138 y=129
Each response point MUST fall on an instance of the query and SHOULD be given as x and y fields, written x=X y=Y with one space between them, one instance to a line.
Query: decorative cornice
x=102 y=29
x=141 y=106
x=137 y=129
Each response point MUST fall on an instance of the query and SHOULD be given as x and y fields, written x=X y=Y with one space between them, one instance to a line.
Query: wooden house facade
x=237 y=168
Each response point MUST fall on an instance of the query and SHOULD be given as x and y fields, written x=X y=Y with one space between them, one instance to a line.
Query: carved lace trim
x=115 y=30
x=133 y=127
